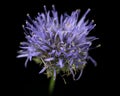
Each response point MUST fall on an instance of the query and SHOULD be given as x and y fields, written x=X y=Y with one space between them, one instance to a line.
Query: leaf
x=37 y=60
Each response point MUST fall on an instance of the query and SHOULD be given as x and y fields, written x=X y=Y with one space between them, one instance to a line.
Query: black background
x=26 y=81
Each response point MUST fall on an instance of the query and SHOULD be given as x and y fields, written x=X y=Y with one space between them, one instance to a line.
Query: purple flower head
x=58 y=44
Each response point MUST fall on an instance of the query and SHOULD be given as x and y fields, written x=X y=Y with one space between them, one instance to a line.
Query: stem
x=52 y=85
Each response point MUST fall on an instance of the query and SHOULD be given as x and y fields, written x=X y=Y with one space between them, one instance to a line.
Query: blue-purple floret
x=61 y=45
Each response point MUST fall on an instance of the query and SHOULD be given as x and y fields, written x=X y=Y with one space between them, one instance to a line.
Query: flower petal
x=44 y=68
x=60 y=63
x=22 y=55
x=81 y=71
x=49 y=59
x=93 y=61
x=54 y=74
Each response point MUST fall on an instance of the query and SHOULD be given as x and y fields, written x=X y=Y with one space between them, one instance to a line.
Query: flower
x=61 y=45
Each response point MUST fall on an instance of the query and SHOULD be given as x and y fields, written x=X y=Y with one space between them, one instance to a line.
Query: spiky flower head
x=58 y=45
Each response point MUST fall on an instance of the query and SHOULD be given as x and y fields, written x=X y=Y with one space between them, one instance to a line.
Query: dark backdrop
x=27 y=81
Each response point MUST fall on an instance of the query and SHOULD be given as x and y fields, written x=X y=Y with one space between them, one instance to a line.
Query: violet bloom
x=58 y=44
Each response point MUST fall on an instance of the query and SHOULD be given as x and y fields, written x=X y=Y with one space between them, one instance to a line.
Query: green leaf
x=37 y=60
